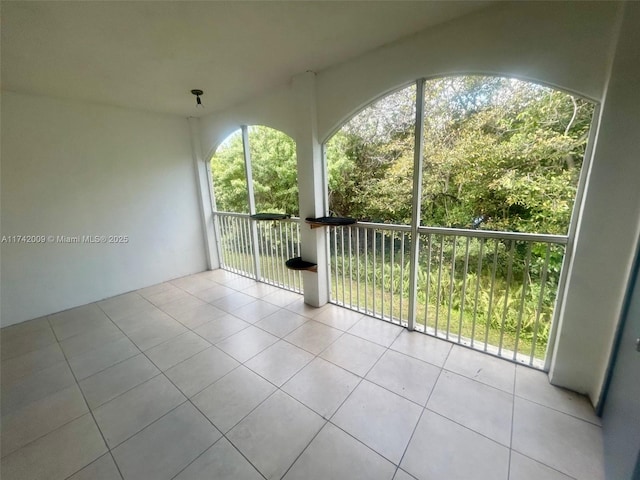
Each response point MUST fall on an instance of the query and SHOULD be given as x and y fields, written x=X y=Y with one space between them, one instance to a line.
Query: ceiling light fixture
x=197 y=93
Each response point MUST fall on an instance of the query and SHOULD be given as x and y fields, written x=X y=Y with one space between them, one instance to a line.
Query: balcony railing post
x=252 y=202
x=416 y=204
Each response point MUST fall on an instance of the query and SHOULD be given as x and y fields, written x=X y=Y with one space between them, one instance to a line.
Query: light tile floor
x=214 y=376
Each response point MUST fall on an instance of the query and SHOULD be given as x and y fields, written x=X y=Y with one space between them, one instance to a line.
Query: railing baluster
x=231 y=239
x=358 y=267
x=382 y=275
x=243 y=248
x=506 y=294
x=401 y=274
x=280 y=256
x=374 y=273
x=344 y=295
x=452 y=281
x=293 y=230
x=236 y=226
x=248 y=246
x=266 y=277
x=287 y=230
x=393 y=267
x=272 y=270
x=475 y=301
x=493 y=281
x=439 y=283
x=295 y=252
x=464 y=287
x=266 y=271
x=237 y=238
x=428 y=284
x=366 y=273
x=224 y=239
x=525 y=281
x=350 y=267
x=299 y=254
x=261 y=253
x=334 y=230
x=295 y=249
x=543 y=282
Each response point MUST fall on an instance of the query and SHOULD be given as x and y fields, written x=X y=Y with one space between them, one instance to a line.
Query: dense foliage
x=501 y=150
x=274 y=172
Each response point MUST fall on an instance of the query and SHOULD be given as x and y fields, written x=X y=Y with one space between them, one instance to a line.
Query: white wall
x=564 y=44
x=72 y=169
x=275 y=109
x=570 y=45
x=607 y=233
x=621 y=415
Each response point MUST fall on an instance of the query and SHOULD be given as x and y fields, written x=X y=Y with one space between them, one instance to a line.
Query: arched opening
x=254 y=171
x=475 y=223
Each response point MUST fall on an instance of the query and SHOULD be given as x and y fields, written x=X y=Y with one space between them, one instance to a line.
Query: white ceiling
x=149 y=55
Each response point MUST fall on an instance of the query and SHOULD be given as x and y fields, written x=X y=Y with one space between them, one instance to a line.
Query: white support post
x=252 y=201
x=311 y=187
x=203 y=184
x=416 y=204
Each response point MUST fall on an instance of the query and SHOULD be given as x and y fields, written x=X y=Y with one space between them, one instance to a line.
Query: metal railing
x=259 y=249
x=491 y=291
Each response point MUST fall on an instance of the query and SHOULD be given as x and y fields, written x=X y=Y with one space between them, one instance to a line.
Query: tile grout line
x=558 y=411
x=306 y=446
x=222 y=437
x=362 y=379
x=571 y=477
x=77 y=383
x=279 y=388
x=104 y=440
x=513 y=418
x=223 y=434
x=424 y=409
x=186 y=400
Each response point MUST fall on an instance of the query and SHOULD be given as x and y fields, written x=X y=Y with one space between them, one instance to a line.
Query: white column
x=311 y=186
x=417 y=203
x=204 y=189
x=608 y=228
x=246 y=150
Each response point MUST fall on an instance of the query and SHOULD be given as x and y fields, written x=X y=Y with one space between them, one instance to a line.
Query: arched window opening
x=370 y=161
x=255 y=171
x=229 y=177
x=475 y=224
x=501 y=154
x=273 y=172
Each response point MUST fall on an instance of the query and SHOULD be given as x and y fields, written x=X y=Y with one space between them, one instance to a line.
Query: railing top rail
x=382 y=226
x=465 y=232
x=232 y=214
x=461 y=232
x=247 y=216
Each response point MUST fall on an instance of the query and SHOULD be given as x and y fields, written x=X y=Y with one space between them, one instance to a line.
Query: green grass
x=486 y=315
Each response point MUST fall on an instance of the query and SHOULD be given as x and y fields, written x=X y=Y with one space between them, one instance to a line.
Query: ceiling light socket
x=197 y=93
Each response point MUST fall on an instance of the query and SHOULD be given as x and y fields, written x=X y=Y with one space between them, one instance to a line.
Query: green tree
x=506 y=151
x=274 y=169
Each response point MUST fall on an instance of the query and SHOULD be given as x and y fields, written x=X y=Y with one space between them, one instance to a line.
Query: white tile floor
x=214 y=376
